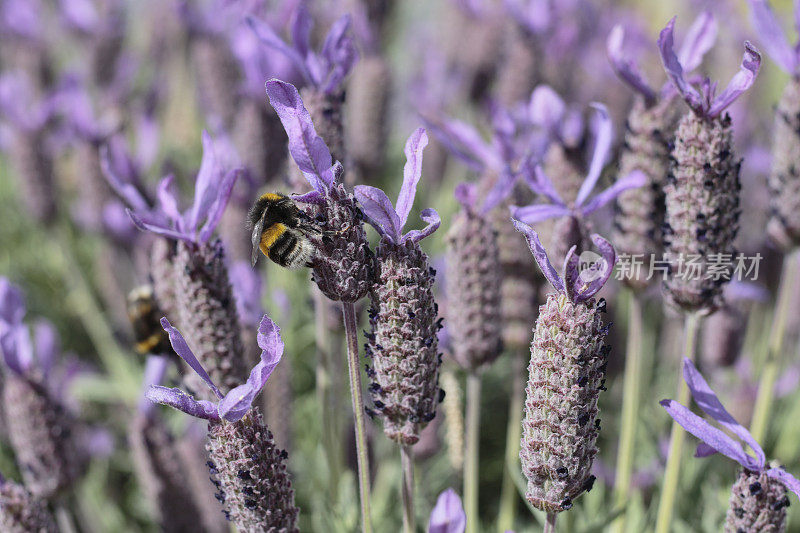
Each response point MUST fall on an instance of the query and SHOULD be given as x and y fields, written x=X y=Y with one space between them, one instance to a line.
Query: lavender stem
x=407 y=462
x=550 y=524
x=669 y=487
x=630 y=407
x=775 y=358
x=64 y=520
x=351 y=333
x=471 y=452
x=508 y=494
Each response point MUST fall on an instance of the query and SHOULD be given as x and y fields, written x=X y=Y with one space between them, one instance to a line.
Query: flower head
x=234 y=405
x=578 y=285
x=388 y=220
x=705 y=101
x=326 y=70
x=773 y=38
x=448 y=516
x=540 y=183
x=698 y=41
x=715 y=440
x=212 y=190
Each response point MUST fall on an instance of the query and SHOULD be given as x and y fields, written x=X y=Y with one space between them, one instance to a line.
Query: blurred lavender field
x=533 y=239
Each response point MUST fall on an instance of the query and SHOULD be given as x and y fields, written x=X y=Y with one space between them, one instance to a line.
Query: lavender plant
x=21 y=511
x=567 y=373
x=758 y=497
x=245 y=464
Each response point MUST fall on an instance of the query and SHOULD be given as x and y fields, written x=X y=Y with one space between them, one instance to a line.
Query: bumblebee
x=145 y=316
x=282 y=232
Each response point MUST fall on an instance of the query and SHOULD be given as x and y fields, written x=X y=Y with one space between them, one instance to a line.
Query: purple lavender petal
x=311 y=197
x=448 y=515
x=247 y=289
x=772 y=36
x=181 y=401
x=147 y=224
x=122 y=186
x=340 y=52
x=746 y=291
x=21 y=17
x=704 y=450
x=791 y=482
x=308 y=149
x=535 y=16
x=712 y=436
x=269 y=38
x=270 y=342
x=433 y=219
x=698 y=41
x=589 y=281
x=533 y=214
x=500 y=191
x=540 y=255
x=464 y=142
x=626 y=69
x=707 y=400
x=742 y=80
x=155 y=368
x=605 y=134
x=379 y=211
x=80 y=15
x=666 y=41
x=182 y=349
x=46 y=343
x=218 y=207
x=504 y=132
x=546 y=108
x=412 y=172
x=635 y=179
x=15 y=343
x=117 y=224
x=167 y=202
x=301 y=25
x=466 y=194
x=539 y=182
x=206 y=186
x=12 y=303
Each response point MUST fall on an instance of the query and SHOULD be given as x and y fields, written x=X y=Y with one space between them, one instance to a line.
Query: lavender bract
x=566 y=375
x=758 y=497
x=448 y=514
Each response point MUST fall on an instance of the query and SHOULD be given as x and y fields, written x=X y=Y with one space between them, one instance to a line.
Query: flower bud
x=758 y=503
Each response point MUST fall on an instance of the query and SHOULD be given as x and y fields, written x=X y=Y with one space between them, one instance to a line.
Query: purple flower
x=548 y=111
x=234 y=405
x=578 y=285
x=155 y=368
x=306 y=147
x=448 y=516
x=714 y=440
x=388 y=220
x=21 y=18
x=75 y=103
x=325 y=70
x=541 y=184
x=247 y=287
x=212 y=191
x=698 y=41
x=773 y=37
x=704 y=101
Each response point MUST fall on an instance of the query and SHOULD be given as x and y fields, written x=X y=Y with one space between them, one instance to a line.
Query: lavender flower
x=245 y=464
x=650 y=129
x=204 y=304
x=323 y=72
x=571 y=229
x=566 y=375
x=403 y=342
x=22 y=512
x=40 y=428
x=448 y=514
x=343 y=262
x=758 y=497
x=784 y=178
x=702 y=189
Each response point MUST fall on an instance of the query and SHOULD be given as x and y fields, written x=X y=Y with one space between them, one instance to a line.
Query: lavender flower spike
x=705 y=102
x=212 y=190
x=448 y=514
x=325 y=70
x=235 y=404
x=758 y=497
x=773 y=38
x=388 y=220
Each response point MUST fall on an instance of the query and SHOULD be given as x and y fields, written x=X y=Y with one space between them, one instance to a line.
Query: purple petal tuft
x=742 y=80
x=181 y=401
x=626 y=69
x=412 y=172
x=539 y=253
x=448 y=515
x=666 y=43
x=433 y=219
x=182 y=349
x=605 y=134
x=379 y=211
x=635 y=179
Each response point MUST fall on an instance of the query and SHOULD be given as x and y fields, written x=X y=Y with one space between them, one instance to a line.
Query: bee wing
x=255 y=238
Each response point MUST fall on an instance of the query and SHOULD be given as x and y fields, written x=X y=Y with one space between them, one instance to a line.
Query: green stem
x=775 y=357
x=550 y=524
x=64 y=520
x=672 y=473
x=407 y=462
x=630 y=408
x=351 y=332
x=471 y=452
x=324 y=380
x=508 y=493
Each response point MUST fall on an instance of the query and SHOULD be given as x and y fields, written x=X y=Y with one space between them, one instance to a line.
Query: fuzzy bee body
x=145 y=316
x=281 y=231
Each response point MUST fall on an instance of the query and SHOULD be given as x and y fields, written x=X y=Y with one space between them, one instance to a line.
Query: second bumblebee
x=281 y=231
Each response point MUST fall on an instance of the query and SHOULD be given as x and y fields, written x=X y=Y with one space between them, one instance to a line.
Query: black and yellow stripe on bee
x=280 y=230
x=145 y=316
